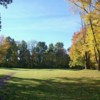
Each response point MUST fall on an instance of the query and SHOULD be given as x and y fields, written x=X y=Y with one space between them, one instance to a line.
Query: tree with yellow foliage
x=90 y=13
x=3 y=48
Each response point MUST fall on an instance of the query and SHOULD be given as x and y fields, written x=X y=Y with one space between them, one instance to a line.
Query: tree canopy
x=90 y=47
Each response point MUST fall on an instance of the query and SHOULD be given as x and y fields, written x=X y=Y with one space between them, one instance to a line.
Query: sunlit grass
x=51 y=84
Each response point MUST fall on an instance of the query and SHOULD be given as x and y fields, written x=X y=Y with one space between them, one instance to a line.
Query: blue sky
x=50 y=21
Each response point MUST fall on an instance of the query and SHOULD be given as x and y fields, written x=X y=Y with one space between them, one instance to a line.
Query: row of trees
x=32 y=55
x=85 y=49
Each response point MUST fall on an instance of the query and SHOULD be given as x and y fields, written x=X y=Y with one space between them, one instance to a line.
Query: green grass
x=51 y=84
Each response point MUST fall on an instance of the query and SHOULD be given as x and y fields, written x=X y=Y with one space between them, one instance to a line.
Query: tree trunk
x=99 y=61
x=95 y=46
x=87 y=61
x=84 y=36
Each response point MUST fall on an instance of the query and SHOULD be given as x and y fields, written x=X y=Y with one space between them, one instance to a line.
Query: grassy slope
x=47 y=84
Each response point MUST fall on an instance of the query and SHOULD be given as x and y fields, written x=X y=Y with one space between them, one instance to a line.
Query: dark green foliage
x=12 y=53
x=51 y=48
x=5 y=2
x=59 y=45
x=23 y=54
x=39 y=55
x=51 y=57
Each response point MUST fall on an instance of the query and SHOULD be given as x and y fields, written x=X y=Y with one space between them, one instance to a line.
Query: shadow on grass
x=29 y=69
x=51 y=89
x=38 y=69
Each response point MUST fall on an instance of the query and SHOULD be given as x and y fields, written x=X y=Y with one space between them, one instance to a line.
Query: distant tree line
x=32 y=54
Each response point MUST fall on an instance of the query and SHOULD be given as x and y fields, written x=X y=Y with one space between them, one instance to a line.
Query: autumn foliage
x=85 y=49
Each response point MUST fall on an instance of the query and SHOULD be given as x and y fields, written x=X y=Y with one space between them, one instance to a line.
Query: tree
x=62 y=59
x=12 y=53
x=31 y=47
x=51 y=48
x=4 y=3
x=50 y=57
x=75 y=51
x=23 y=54
x=40 y=50
x=90 y=11
x=3 y=49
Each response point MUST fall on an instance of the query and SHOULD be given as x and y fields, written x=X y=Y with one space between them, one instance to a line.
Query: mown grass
x=50 y=84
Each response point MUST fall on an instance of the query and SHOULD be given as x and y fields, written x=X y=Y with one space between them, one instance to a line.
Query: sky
x=50 y=21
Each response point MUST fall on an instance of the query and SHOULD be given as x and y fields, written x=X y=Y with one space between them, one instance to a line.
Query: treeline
x=83 y=53
x=33 y=54
x=85 y=48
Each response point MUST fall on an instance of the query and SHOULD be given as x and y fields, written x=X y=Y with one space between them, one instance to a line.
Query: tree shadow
x=50 y=89
x=29 y=69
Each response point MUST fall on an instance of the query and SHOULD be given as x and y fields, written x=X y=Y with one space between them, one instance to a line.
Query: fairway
x=50 y=84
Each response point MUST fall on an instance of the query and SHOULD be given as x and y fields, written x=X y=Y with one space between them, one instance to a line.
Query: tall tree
x=12 y=53
x=50 y=57
x=62 y=58
x=23 y=54
x=76 y=49
x=3 y=49
x=40 y=49
x=90 y=10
